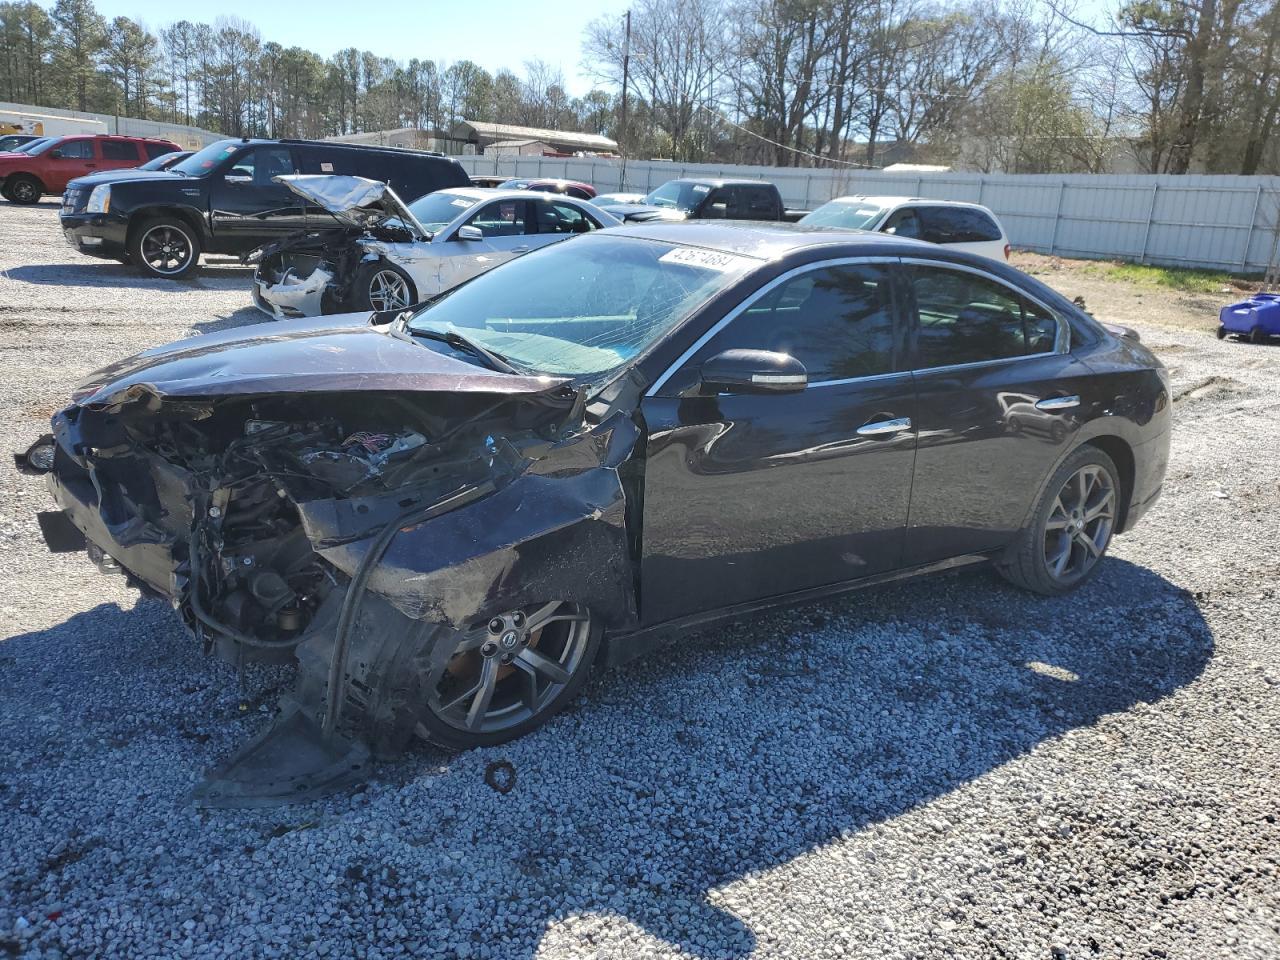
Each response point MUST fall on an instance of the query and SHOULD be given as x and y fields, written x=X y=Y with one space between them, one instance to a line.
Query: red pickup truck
x=26 y=177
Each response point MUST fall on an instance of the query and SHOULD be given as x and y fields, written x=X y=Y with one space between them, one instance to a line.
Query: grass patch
x=1183 y=279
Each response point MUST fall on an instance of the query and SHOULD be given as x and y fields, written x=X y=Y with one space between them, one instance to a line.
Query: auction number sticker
x=707 y=259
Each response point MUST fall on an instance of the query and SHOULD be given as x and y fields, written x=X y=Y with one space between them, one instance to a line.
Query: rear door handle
x=885 y=427
x=1058 y=403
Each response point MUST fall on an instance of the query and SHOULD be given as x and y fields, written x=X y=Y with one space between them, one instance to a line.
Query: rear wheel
x=1257 y=335
x=382 y=286
x=509 y=675
x=1067 y=536
x=165 y=247
x=23 y=189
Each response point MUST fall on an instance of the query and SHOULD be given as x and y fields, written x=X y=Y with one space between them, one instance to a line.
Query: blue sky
x=493 y=33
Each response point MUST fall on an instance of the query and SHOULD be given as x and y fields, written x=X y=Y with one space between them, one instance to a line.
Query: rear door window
x=963 y=317
x=838 y=321
x=957 y=225
x=557 y=217
x=761 y=203
x=119 y=150
x=157 y=150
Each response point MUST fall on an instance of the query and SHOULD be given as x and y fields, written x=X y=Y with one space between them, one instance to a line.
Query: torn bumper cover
x=292 y=295
x=354 y=526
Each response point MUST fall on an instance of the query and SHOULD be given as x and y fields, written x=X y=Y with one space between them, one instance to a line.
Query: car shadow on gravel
x=741 y=749
x=653 y=801
x=98 y=273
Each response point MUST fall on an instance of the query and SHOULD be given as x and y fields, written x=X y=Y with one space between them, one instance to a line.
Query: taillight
x=1007 y=250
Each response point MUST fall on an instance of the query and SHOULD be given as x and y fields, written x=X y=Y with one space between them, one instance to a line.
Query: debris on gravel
x=944 y=768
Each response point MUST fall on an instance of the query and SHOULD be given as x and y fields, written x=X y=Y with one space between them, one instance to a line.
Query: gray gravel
x=942 y=769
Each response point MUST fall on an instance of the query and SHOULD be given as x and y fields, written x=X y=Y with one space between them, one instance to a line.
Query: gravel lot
x=949 y=768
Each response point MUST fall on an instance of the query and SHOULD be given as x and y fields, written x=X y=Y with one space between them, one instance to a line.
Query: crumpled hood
x=641 y=212
x=340 y=353
x=354 y=201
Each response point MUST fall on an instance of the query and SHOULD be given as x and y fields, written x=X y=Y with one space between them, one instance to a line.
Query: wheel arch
x=143 y=214
x=1121 y=455
x=9 y=178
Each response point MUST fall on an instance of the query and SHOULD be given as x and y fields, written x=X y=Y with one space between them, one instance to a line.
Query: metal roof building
x=482 y=135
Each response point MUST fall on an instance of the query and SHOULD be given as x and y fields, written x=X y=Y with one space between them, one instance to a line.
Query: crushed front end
x=311 y=274
x=348 y=530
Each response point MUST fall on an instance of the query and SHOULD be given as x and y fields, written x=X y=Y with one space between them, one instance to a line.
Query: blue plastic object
x=1260 y=312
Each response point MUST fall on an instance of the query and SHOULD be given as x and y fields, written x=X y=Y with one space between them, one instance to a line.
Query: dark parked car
x=713 y=199
x=570 y=188
x=225 y=199
x=14 y=140
x=452 y=513
x=47 y=168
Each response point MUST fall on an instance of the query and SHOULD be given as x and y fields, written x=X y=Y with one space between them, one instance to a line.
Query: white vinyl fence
x=1222 y=222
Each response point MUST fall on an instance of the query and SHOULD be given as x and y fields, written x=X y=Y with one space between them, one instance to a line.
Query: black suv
x=223 y=199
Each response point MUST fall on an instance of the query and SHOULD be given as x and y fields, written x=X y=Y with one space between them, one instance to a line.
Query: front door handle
x=885 y=427
x=1058 y=403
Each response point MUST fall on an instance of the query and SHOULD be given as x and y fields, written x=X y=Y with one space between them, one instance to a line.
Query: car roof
x=725 y=181
x=889 y=201
x=502 y=193
x=768 y=240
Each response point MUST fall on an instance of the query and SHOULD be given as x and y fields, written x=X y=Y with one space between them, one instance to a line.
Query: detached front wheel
x=1063 y=544
x=509 y=675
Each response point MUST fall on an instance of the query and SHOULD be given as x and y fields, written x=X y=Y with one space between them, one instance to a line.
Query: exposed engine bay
x=336 y=528
x=312 y=273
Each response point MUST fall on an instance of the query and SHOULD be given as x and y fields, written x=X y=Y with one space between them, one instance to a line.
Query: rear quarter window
x=957 y=225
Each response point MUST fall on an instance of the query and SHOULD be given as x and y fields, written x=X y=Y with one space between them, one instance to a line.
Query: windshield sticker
x=462 y=202
x=326 y=167
x=707 y=259
x=866 y=213
x=701 y=188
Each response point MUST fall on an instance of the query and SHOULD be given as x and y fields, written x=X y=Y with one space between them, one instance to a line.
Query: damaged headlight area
x=311 y=274
x=305 y=525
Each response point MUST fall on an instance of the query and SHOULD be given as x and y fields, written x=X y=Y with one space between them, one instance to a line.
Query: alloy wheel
x=511 y=668
x=1080 y=525
x=24 y=191
x=166 y=249
x=388 y=291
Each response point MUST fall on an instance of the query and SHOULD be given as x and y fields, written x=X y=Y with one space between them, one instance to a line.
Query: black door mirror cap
x=753 y=371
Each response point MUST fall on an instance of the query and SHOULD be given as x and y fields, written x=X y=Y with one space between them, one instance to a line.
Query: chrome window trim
x=741 y=308
x=1062 y=339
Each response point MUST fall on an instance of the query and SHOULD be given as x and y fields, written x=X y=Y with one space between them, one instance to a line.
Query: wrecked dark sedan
x=450 y=514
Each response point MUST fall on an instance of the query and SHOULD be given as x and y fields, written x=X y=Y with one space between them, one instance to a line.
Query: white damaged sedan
x=375 y=253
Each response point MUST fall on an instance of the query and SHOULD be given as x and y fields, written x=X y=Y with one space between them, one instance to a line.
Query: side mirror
x=469 y=233
x=754 y=371
x=56 y=153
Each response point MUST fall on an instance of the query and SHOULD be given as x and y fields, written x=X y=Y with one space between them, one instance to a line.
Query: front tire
x=1063 y=544
x=382 y=286
x=1222 y=332
x=165 y=247
x=509 y=675
x=23 y=189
